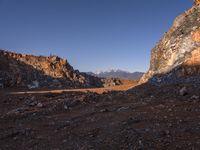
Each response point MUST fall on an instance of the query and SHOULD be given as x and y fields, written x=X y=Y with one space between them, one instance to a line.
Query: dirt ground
x=126 y=85
x=145 y=117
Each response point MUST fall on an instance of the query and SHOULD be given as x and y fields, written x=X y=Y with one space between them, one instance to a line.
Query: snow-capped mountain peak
x=117 y=73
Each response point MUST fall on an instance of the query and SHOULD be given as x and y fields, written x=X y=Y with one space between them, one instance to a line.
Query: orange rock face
x=195 y=59
x=196 y=1
x=196 y=36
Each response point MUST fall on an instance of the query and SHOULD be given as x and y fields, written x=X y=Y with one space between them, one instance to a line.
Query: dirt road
x=126 y=84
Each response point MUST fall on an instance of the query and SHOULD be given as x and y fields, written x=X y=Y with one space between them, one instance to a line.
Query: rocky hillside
x=17 y=70
x=176 y=57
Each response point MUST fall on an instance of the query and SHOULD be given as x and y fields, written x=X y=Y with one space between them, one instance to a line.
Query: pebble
x=122 y=108
x=40 y=105
x=194 y=97
x=66 y=107
x=104 y=110
x=183 y=91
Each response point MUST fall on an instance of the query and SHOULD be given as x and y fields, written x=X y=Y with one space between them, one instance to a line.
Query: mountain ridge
x=117 y=73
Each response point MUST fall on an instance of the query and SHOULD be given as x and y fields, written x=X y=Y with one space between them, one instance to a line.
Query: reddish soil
x=146 y=117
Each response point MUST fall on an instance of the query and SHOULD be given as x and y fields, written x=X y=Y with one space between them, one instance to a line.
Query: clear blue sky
x=91 y=34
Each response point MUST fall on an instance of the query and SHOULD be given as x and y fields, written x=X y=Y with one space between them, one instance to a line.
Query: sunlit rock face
x=18 y=70
x=196 y=2
x=178 y=53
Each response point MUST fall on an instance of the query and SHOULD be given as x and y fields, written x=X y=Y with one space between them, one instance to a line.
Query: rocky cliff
x=17 y=70
x=177 y=56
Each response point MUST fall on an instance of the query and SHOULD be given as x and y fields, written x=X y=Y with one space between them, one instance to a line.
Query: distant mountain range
x=117 y=74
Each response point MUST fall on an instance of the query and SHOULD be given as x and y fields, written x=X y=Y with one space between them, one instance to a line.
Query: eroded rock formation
x=177 y=55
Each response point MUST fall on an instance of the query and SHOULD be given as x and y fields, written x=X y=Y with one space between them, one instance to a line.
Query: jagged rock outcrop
x=17 y=70
x=177 y=56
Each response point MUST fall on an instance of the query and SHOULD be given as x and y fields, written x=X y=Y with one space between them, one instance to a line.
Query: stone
x=40 y=105
x=54 y=59
x=122 y=109
x=31 y=102
x=195 y=97
x=66 y=107
x=32 y=98
x=183 y=91
x=104 y=110
x=34 y=85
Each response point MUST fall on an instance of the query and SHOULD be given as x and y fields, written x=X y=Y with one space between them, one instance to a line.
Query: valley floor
x=146 y=117
x=126 y=85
